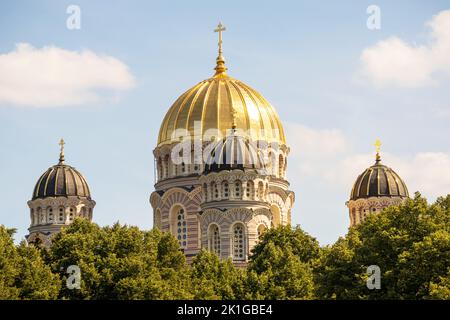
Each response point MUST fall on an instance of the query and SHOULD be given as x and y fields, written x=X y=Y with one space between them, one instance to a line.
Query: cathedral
x=221 y=162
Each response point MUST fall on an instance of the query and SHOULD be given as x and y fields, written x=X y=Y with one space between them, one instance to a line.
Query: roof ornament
x=61 y=152
x=220 y=66
x=377 y=149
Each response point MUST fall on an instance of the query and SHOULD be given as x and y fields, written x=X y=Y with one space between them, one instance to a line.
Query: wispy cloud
x=55 y=77
x=395 y=62
x=327 y=155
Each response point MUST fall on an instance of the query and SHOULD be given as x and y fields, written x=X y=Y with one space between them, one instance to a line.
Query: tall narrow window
x=249 y=190
x=181 y=228
x=237 y=189
x=61 y=215
x=238 y=242
x=226 y=190
x=50 y=214
x=214 y=239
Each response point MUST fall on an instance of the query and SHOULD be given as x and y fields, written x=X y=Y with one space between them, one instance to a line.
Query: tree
x=281 y=265
x=119 y=262
x=410 y=243
x=212 y=278
x=23 y=273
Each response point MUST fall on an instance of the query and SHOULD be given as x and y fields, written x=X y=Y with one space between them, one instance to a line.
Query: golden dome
x=219 y=104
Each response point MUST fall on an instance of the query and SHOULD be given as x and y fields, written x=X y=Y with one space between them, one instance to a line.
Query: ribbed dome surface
x=234 y=152
x=61 y=180
x=219 y=103
x=378 y=181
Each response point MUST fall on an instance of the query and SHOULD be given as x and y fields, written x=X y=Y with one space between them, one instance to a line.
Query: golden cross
x=219 y=29
x=377 y=145
x=61 y=153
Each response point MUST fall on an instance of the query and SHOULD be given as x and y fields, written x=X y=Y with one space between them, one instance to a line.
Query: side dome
x=61 y=180
x=234 y=152
x=379 y=181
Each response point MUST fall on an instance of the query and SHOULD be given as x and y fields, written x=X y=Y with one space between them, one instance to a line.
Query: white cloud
x=395 y=62
x=54 y=77
x=328 y=157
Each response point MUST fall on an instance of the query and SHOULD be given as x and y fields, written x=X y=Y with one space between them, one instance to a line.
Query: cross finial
x=377 y=149
x=220 y=67
x=61 y=153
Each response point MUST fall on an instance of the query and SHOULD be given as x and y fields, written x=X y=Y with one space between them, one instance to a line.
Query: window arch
x=281 y=166
x=260 y=190
x=61 y=215
x=39 y=216
x=238 y=242
x=179 y=225
x=50 y=214
x=225 y=189
x=214 y=238
x=71 y=214
x=237 y=189
x=250 y=190
x=215 y=191
x=276 y=215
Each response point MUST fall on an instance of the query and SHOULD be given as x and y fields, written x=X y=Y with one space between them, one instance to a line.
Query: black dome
x=379 y=181
x=234 y=152
x=61 y=180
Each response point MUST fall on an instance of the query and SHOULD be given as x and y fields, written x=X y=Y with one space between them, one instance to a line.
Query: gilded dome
x=234 y=152
x=379 y=181
x=215 y=105
x=61 y=180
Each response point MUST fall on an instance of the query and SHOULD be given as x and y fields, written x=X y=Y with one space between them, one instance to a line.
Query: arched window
x=215 y=191
x=214 y=239
x=39 y=215
x=238 y=244
x=226 y=189
x=157 y=222
x=276 y=215
x=50 y=214
x=160 y=168
x=166 y=167
x=71 y=214
x=353 y=218
x=281 y=166
x=180 y=227
x=249 y=192
x=205 y=192
x=260 y=190
x=261 y=229
x=61 y=215
x=237 y=189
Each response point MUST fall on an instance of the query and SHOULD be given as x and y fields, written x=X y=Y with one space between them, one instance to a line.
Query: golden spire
x=377 y=149
x=220 y=66
x=61 y=152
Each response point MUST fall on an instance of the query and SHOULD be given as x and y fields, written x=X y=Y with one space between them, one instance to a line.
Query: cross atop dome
x=377 y=149
x=61 y=152
x=220 y=66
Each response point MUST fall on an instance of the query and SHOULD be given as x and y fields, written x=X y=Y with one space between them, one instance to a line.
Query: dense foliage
x=410 y=244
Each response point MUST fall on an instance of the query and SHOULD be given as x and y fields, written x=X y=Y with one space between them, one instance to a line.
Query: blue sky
x=305 y=57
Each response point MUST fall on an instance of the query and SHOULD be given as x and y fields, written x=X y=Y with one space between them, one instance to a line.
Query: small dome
x=234 y=152
x=379 y=181
x=61 y=180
